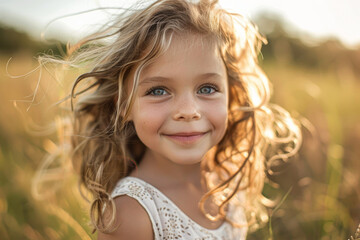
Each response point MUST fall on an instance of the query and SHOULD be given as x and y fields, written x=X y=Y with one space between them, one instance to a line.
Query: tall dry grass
x=324 y=178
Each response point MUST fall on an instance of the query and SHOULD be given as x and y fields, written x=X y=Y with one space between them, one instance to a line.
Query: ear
x=129 y=115
x=122 y=110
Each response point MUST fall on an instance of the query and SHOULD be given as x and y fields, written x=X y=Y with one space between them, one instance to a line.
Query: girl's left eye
x=207 y=90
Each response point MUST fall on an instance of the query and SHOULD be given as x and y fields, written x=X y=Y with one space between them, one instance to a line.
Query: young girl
x=174 y=130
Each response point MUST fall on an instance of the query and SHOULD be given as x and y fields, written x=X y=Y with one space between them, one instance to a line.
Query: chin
x=188 y=160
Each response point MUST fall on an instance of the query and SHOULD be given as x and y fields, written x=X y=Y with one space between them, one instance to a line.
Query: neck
x=164 y=173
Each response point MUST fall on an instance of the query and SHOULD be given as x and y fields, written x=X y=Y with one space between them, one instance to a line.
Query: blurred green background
x=319 y=83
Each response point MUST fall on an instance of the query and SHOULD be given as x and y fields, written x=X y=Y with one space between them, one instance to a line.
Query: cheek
x=218 y=116
x=148 y=118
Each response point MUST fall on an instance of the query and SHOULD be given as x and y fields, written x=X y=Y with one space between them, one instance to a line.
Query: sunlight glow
x=321 y=19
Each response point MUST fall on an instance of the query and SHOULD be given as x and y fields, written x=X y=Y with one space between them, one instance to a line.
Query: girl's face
x=180 y=110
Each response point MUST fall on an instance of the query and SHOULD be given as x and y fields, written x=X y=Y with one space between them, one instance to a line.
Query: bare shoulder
x=132 y=220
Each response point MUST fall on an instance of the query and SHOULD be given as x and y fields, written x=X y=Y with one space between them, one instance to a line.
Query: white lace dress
x=168 y=221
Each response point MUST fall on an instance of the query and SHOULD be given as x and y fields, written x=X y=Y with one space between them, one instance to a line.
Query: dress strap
x=144 y=197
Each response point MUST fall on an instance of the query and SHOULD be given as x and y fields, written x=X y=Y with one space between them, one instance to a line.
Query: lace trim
x=168 y=220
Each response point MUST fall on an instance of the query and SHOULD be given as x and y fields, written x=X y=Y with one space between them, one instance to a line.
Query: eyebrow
x=160 y=79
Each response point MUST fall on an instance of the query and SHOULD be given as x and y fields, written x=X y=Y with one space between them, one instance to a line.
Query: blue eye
x=156 y=91
x=207 y=90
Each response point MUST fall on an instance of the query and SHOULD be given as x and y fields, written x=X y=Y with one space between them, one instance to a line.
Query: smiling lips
x=186 y=138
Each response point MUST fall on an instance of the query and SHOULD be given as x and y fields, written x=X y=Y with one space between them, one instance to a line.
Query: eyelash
x=213 y=86
x=149 y=91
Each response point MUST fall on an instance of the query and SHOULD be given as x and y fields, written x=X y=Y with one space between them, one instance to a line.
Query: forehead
x=188 y=53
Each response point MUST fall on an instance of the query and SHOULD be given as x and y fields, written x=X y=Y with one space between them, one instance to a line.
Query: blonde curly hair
x=104 y=144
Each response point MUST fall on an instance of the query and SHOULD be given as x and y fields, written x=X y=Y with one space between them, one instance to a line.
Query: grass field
x=324 y=201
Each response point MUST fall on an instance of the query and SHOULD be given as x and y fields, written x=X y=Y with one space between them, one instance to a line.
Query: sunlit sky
x=319 y=18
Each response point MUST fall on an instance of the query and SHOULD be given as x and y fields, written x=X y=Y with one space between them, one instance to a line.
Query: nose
x=186 y=109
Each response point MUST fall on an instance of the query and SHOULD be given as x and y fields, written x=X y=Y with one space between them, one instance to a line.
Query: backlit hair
x=105 y=145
